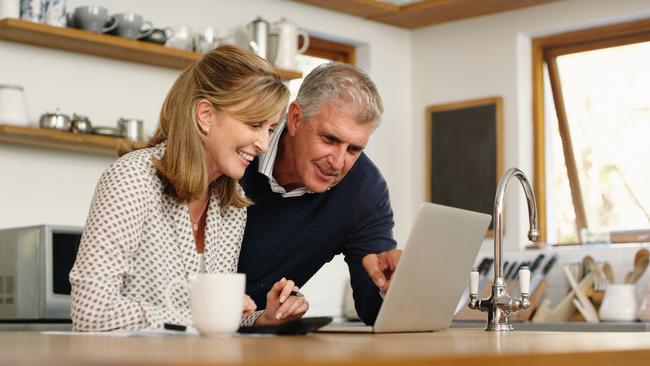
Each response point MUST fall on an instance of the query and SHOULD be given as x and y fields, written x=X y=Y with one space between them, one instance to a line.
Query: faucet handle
x=473 y=282
x=524 y=280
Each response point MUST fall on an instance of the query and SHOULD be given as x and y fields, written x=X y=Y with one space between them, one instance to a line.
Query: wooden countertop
x=450 y=347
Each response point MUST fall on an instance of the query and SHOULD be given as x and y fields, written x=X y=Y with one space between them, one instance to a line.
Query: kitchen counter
x=450 y=347
x=35 y=327
x=565 y=326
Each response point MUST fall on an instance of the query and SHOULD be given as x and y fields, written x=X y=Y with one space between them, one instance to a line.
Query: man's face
x=327 y=146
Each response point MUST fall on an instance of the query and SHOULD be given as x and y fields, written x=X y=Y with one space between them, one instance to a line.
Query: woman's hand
x=281 y=306
x=249 y=306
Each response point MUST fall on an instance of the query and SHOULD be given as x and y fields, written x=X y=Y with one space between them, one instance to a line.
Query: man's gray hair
x=342 y=86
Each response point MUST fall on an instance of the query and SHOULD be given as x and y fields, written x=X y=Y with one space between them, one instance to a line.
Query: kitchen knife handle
x=483 y=265
x=511 y=271
x=549 y=264
x=537 y=262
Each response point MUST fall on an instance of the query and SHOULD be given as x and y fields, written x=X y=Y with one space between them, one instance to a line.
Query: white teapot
x=283 y=42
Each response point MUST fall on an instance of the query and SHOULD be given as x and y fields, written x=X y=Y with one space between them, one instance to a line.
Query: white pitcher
x=284 y=44
x=619 y=303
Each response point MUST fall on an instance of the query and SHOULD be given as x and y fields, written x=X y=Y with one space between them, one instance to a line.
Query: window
x=591 y=134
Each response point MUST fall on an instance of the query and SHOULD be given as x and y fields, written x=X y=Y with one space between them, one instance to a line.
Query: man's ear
x=294 y=118
x=204 y=113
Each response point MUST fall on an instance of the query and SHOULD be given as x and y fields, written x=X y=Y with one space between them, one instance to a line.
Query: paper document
x=131 y=333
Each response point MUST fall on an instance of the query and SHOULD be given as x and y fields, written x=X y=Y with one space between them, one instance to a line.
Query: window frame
x=545 y=50
x=335 y=51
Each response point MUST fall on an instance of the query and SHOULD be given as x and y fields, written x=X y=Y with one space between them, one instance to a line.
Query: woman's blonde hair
x=225 y=76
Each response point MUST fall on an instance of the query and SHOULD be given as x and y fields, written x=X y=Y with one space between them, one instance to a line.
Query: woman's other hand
x=249 y=306
x=281 y=306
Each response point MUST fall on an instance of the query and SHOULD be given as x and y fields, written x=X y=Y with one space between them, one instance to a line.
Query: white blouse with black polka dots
x=136 y=241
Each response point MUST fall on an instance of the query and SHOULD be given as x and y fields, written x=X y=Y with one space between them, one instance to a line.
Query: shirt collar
x=267 y=161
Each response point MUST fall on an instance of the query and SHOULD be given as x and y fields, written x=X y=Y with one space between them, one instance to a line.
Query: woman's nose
x=262 y=142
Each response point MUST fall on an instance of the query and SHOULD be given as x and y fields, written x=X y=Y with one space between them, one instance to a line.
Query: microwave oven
x=34 y=265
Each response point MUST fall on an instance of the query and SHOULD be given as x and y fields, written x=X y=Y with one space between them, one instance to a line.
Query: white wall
x=105 y=90
x=491 y=56
x=47 y=186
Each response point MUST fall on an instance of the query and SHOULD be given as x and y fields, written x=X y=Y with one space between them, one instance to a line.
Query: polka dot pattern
x=137 y=243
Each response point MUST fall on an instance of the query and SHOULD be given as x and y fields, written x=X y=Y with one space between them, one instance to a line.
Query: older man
x=316 y=194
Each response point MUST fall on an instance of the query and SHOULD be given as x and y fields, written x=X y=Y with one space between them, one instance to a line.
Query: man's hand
x=281 y=305
x=381 y=266
x=249 y=306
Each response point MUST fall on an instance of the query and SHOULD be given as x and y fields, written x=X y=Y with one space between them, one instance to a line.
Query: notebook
x=432 y=273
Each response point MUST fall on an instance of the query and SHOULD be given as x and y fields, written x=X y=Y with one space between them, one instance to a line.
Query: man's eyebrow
x=331 y=136
x=338 y=140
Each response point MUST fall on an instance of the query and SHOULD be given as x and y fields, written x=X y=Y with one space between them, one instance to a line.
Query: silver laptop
x=432 y=272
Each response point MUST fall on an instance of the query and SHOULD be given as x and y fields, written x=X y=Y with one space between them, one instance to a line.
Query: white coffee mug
x=216 y=301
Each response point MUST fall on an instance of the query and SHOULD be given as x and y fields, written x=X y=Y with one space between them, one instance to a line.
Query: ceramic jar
x=619 y=303
x=644 y=310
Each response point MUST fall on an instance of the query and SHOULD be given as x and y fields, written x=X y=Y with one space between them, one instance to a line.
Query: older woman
x=174 y=206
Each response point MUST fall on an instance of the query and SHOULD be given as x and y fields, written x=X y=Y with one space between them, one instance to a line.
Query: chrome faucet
x=500 y=305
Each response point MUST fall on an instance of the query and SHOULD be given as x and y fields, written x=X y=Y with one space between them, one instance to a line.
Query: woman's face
x=231 y=144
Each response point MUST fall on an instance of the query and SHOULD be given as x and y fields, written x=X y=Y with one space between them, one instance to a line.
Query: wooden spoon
x=590 y=265
x=641 y=260
x=638 y=258
x=609 y=272
x=640 y=254
x=587 y=263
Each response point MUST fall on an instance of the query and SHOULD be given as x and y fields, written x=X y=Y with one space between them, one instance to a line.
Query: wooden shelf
x=60 y=140
x=81 y=41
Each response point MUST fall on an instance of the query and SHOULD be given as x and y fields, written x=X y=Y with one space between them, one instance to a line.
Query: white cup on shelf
x=13 y=108
x=9 y=9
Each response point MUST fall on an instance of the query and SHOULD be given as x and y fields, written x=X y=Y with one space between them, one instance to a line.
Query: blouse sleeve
x=112 y=233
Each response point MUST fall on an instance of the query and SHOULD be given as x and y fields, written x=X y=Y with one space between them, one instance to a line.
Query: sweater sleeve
x=372 y=233
x=112 y=233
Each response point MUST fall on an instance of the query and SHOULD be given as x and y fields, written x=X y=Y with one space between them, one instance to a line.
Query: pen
x=176 y=327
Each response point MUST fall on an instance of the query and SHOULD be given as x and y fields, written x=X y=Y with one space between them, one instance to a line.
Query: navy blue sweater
x=294 y=237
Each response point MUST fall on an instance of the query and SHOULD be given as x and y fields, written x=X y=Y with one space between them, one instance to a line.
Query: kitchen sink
x=566 y=326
